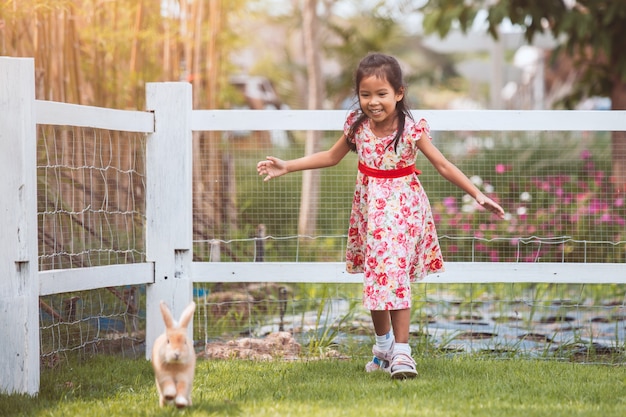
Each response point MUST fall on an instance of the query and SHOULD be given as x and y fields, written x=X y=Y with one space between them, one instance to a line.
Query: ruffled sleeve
x=419 y=128
x=350 y=119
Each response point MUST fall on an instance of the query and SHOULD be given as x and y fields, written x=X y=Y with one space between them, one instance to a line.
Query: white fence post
x=19 y=285
x=168 y=203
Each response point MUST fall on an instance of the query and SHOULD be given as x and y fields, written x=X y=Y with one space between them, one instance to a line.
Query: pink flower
x=501 y=168
x=382 y=280
x=436 y=264
x=372 y=263
x=378 y=218
x=378 y=233
x=450 y=204
x=598 y=176
x=381 y=249
x=595 y=206
x=401 y=292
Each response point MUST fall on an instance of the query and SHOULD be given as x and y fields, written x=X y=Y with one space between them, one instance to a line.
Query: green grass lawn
x=457 y=386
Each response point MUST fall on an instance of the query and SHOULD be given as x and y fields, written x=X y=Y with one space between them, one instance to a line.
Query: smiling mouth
x=376 y=112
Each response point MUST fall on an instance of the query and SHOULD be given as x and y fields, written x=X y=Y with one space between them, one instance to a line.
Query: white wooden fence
x=169 y=271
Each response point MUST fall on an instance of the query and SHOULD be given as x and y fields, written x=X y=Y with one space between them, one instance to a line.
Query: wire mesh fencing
x=556 y=188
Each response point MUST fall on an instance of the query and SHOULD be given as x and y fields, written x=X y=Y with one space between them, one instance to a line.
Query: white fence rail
x=439 y=120
x=456 y=273
x=169 y=270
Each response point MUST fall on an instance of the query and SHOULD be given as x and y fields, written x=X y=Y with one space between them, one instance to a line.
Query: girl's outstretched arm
x=453 y=174
x=273 y=167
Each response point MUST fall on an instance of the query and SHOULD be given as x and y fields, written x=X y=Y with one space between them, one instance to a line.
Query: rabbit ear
x=187 y=315
x=167 y=316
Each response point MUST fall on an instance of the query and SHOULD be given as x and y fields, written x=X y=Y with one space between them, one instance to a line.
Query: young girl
x=391 y=237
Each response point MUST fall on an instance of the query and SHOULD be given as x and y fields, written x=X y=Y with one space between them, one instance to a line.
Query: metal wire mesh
x=555 y=187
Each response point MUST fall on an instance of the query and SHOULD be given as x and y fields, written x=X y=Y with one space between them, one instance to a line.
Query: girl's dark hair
x=387 y=68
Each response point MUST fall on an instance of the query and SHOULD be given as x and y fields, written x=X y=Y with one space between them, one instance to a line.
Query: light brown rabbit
x=174 y=359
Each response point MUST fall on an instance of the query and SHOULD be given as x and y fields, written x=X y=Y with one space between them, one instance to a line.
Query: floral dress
x=391 y=238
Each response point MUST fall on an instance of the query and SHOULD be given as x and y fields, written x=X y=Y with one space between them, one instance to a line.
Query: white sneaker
x=381 y=360
x=402 y=366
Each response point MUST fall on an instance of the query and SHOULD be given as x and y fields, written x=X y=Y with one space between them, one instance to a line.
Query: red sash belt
x=388 y=173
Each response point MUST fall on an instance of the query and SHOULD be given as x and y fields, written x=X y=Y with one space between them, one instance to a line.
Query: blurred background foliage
x=103 y=52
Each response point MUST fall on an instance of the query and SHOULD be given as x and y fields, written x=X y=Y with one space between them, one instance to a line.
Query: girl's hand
x=271 y=168
x=490 y=205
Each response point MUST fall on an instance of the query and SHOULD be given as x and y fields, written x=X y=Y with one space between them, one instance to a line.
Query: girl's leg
x=401 y=320
x=384 y=333
x=402 y=364
x=382 y=321
x=383 y=348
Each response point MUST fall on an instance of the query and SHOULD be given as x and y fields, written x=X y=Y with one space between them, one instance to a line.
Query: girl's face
x=378 y=98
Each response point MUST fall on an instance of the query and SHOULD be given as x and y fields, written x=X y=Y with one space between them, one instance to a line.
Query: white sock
x=384 y=342
x=402 y=348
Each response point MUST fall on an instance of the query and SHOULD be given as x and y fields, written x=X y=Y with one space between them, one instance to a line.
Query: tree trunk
x=618 y=139
x=307 y=222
